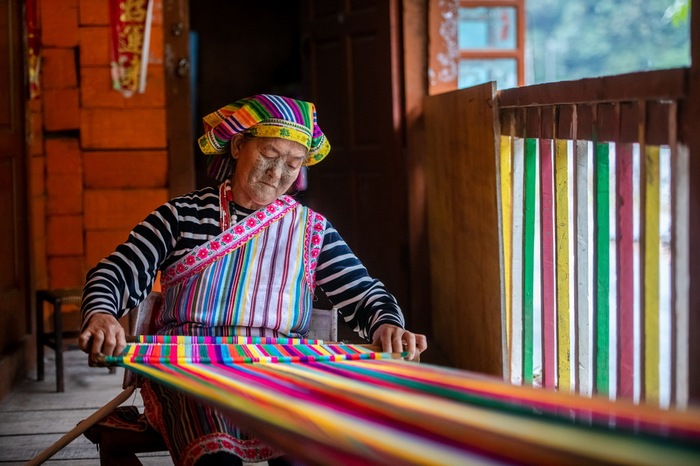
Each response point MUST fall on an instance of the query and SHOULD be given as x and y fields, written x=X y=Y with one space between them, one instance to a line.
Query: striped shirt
x=122 y=280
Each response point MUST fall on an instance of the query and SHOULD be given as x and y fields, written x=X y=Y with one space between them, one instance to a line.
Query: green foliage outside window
x=577 y=39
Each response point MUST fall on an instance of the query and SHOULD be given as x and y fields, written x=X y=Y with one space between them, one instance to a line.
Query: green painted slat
x=602 y=268
x=529 y=258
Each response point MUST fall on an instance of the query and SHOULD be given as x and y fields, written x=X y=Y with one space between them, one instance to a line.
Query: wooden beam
x=661 y=84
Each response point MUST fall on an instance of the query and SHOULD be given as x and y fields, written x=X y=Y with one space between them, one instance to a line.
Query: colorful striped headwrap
x=261 y=115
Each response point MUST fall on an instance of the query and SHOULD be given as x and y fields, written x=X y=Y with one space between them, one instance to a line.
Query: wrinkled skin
x=265 y=169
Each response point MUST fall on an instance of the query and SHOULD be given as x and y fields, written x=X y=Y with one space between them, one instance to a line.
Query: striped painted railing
x=594 y=228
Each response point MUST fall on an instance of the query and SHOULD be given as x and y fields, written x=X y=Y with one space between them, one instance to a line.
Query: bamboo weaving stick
x=93 y=419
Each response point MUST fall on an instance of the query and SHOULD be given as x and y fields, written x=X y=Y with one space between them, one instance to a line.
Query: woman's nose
x=275 y=169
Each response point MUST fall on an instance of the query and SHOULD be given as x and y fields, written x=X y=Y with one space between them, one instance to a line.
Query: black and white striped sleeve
x=124 y=278
x=363 y=301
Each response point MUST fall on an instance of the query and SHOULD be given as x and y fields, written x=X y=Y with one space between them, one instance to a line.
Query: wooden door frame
x=176 y=57
x=15 y=359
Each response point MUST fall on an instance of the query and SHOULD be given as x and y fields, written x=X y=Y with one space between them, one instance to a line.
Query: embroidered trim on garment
x=316 y=226
x=250 y=451
x=232 y=238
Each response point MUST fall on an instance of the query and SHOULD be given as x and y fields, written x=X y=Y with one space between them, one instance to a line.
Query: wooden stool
x=59 y=339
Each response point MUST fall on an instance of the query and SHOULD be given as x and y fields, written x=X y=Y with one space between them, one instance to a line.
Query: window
x=522 y=42
x=482 y=41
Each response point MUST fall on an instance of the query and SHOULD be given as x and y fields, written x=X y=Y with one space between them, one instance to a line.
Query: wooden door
x=463 y=231
x=351 y=74
x=15 y=314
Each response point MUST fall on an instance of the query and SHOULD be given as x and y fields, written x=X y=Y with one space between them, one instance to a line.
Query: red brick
x=66 y=272
x=113 y=209
x=125 y=169
x=37 y=179
x=38 y=217
x=154 y=94
x=123 y=129
x=64 y=194
x=58 y=68
x=96 y=89
x=94 y=46
x=54 y=4
x=59 y=23
x=64 y=235
x=61 y=109
x=101 y=243
x=94 y=12
x=41 y=273
x=63 y=156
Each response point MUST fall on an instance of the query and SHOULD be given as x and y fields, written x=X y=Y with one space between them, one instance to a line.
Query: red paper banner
x=130 y=31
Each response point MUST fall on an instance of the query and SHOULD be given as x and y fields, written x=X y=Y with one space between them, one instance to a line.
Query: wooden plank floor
x=33 y=416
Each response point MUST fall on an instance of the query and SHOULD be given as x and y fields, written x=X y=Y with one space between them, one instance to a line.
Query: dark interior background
x=247 y=48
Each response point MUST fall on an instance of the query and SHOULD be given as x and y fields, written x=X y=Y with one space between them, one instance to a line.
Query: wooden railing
x=593 y=198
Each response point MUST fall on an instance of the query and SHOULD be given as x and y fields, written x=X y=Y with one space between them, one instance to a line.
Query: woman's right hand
x=103 y=336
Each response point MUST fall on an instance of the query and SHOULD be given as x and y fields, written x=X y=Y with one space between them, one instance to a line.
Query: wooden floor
x=33 y=416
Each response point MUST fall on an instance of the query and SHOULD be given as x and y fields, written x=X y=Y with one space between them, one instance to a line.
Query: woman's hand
x=395 y=340
x=102 y=336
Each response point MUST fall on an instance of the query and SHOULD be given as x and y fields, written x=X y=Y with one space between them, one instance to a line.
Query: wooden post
x=692 y=138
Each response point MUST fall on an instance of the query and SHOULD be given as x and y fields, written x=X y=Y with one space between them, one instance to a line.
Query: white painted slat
x=584 y=363
x=516 y=355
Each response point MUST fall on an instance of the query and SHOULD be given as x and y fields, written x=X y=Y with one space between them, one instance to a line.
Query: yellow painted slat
x=506 y=217
x=561 y=180
x=651 y=272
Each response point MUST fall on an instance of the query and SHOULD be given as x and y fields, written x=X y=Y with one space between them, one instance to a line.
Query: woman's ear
x=236 y=142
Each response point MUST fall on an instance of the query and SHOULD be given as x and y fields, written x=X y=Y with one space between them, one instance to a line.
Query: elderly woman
x=251 y=253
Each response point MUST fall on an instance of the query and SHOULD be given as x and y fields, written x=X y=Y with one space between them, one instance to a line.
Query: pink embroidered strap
x=230 y=239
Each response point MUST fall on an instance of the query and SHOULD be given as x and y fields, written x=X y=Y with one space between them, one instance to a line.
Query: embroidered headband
x=261 y=115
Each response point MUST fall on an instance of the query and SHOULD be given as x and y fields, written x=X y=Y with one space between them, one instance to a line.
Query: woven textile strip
x=386 y=411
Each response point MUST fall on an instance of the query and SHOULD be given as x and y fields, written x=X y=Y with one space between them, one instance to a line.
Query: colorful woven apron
x=255 y=279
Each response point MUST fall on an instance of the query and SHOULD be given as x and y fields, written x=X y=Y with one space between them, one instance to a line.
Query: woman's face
x=265 y=169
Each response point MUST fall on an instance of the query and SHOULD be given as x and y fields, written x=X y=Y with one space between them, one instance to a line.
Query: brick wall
x=98 y=159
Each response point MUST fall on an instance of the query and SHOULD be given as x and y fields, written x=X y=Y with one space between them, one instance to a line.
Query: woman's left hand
x=394 y=339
